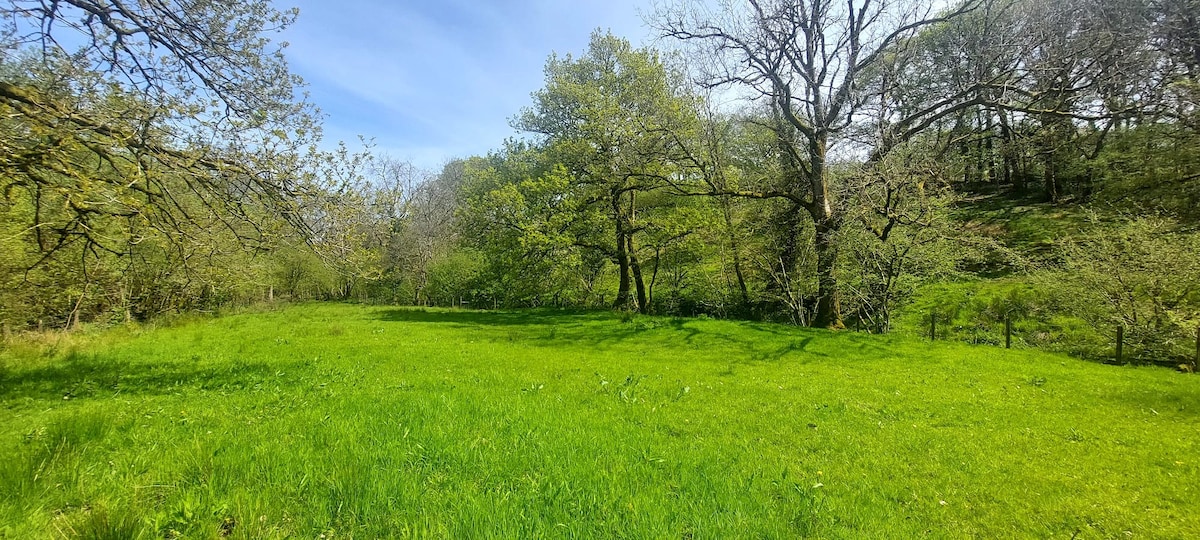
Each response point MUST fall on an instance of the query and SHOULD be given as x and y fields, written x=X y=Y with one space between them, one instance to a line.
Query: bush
x=453 y=277
x=1142 y=274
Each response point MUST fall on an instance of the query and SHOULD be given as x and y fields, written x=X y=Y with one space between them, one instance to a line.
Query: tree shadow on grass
x=79 y=376
x=1178 y=399
x=604 y=330
x=596 y=329
x=490 y=318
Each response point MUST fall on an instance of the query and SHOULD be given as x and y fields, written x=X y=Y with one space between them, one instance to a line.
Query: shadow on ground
x=749 y=342
x=491 y=318
x=79 y=376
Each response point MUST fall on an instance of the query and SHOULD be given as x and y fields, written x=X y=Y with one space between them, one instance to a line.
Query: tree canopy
x=824 y=163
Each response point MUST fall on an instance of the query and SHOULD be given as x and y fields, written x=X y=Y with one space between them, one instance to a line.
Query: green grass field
x=342 y=421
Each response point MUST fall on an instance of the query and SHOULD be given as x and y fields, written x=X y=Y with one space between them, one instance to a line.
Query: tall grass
x=366 y=422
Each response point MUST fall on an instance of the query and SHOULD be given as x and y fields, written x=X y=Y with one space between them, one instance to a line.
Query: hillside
x=1066 y=276
x=349 y=421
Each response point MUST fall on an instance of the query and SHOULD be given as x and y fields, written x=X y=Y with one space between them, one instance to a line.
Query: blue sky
x=437 y=79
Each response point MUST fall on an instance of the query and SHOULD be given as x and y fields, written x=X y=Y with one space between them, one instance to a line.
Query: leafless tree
x=814 y=61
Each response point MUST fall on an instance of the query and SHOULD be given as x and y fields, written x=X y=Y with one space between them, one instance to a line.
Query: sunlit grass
x=362 y=422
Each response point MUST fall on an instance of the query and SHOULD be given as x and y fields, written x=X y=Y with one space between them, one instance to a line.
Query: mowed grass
x=342 y=421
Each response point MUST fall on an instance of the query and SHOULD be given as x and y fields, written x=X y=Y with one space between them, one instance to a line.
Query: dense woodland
x=863 y=165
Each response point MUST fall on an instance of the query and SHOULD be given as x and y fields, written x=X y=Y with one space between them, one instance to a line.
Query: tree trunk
x=639 y=284
x=829 y=306
x=422 y=279
x=623 y=298
x=735 y=251
x=643 y=305
x=125 y=303
x=1009 y=153
x=1054 y=136
x=992 y=163
x=1050 y=177
x=964 y=148
x=73 y=318
x=981 y=171
x=827 y=223
x=653 y=277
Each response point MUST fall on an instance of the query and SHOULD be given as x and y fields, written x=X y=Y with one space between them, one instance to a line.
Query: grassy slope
x=1025 y=224
x=1029 y=229
x=372 y=422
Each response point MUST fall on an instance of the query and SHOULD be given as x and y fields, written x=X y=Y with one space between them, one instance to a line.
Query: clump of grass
x=101 y=524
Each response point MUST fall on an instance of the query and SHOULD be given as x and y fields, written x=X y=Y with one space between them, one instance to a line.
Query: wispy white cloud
x=434 y=80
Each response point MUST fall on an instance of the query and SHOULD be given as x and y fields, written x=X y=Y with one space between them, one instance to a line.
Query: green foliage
x=138 y=183
x=974 y=311
x=351 y=421
x=612 y=124
x=1142 y=274
x=517 y=213
x=899 y=182
x=899 y=234
x=1152 y=168
x=301 y=274
x=453 y=279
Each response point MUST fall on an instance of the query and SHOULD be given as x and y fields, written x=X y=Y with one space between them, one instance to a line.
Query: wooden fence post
x=1120 y=342
x=1007 y=332
x=1196 y=360
x=932 y=325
